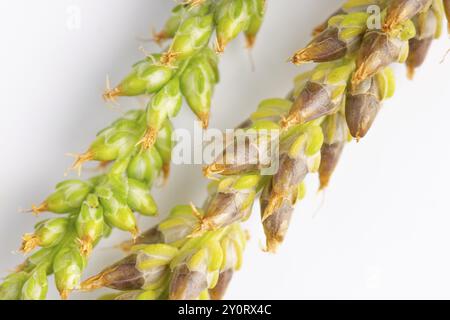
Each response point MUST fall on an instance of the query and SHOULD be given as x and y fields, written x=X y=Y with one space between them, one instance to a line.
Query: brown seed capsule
x=218 y=292
x=225 y=208
x=378 y=50
x=331 y=153
x=313 y=102
x=417 y=54
x=324 y=47
x=291 y=172
x=361 y=108
x=277 y=223
x=335 y=136
x=399 y=11
x=151 y=236
x=427 y=28
x=122 y=275
x=250 y=155
x=186 y=284
x=447 y=13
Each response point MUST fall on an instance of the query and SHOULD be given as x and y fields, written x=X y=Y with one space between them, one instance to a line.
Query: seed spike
x=289 y=121
x=300 y=57
x=219 y=46
x=135 y=234
x=166 y=172
x=29 y=242
x=204 y=224
x=274 y=203
x=159 y=37
x=38 y=209
x=64 y=294
x=211 y=170
x=110 y=94
x=80 y=159
x=94 y=282
x=85 y=246
x=271 y=246
x=168 y=58
x=149 y=139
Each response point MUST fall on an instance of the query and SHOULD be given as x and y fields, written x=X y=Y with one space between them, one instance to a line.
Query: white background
x=382 y=229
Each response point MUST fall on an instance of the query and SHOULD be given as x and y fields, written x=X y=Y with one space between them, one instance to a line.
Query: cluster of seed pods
x=90 y=209
x=167 y=264
x=136 y=148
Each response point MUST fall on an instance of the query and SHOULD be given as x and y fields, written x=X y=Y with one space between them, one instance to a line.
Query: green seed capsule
x=257 y=11
x=180 y=224
x=48 y=234
x=171 y=25
x=36 y=287
x=145 y=166
x=140 y=199
x=68 y=266
x=11 y=288
x=164 y=145
x=69 y=196
x=165 y=104
x=119 y=215
x=35 y=259
x=232 y=18
x=197 y=85
x=193 y=34
x=146 y=78
x=113 y=193
x=213 y=60
x=89 y=224
x=114 y=142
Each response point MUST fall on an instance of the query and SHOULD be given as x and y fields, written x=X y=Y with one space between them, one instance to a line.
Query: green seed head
x=232 y=18
x=69 y=196
x=113 y=193
x=181 y=222
x=271 y=110
x=68 y=266
x=386 y=83
x=233 y=246
x=193 y=34
x=166 y=103
x=140 y=199
x=315 y=140
x=11 y=288
x=257 y=11
x=51 y=232
x=145 y=166
x=172 y=24
x=164 y=145
x=197 y=85
x=116 y=141
x=147 y=77
x=153 y=262
x=119 y=215
x=89 y=224
x=35 y=288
